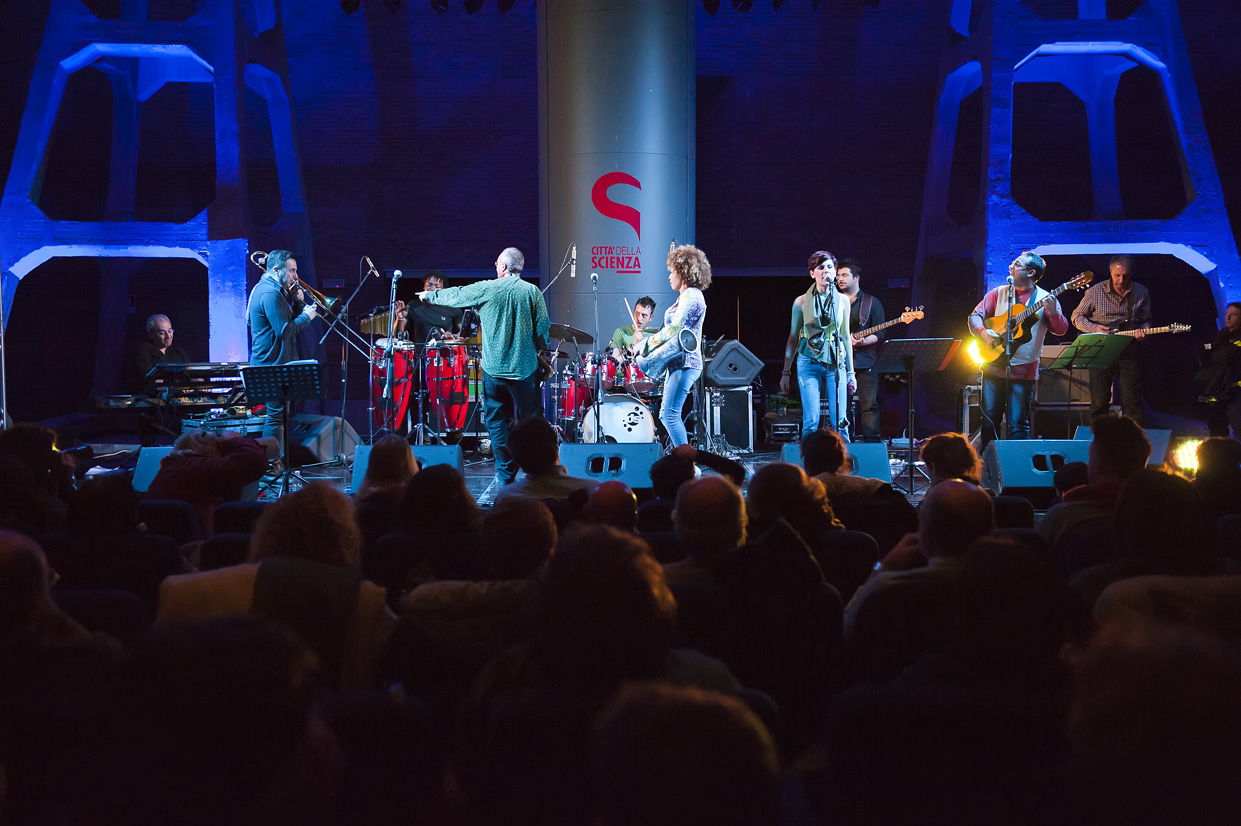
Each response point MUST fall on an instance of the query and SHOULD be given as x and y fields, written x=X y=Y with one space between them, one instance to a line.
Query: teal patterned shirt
x=514 y=323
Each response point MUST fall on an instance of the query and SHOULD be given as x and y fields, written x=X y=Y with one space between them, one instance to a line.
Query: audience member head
x=1119 y=447
x=710 y=517
x=1160 y=520
x=951 y=456
x=669 y=473
x=437 y=501
x=314 y=523
x=823 y=451
x=1219 y=455
x=952 y=515
x=1154 y=723
x=24 y=583
x=613 y=503
x=783 y=490
x=1011 y=608
x=1069 y=476
x=533 y=445
x=104 y=506
x=602 y=612
x=34 y=445
x=518 y=537
x=668 y=755
x=16 y=495
x=200 y=441
x=218 y=727
x=391 y=465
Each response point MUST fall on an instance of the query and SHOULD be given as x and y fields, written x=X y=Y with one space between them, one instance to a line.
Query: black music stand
x=908 y=355
x=1090 y=351
x=284 y=383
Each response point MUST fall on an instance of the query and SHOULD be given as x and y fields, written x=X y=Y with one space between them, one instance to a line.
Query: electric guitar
x=1150 y=331
x=1016 y=325
x=907 y=317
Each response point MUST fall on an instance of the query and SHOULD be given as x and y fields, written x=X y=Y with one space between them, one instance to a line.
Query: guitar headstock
x=911 y=315
x=1079 y=281
x=1178 y=328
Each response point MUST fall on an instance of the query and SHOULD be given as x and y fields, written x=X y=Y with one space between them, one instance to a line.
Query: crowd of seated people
x=718 y=654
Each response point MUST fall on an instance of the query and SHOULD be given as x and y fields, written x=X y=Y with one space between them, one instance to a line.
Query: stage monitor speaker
x=1027 y=467
x=318 y=435
x=731 y=365
x=426 y=455
x=870 y=459
x=1159 y=441
x=148 y=465
x=628 y=463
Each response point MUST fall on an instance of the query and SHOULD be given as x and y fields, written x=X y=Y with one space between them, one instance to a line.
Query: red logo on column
x=619 y=258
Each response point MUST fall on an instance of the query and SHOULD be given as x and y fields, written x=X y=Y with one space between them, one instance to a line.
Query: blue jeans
x=811 y=377
x=1020 y=392
x=500 y=397
x=676 y=389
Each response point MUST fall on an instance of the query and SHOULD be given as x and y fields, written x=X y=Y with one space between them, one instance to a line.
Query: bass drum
x=624 y=419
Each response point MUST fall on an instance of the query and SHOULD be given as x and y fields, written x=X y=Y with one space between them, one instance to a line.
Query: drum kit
x=627 y=399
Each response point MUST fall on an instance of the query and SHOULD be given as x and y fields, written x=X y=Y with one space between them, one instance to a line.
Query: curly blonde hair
x=313 y=523
x=691 y=266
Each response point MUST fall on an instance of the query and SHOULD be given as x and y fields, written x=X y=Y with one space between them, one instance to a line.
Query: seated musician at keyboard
x=157 y=349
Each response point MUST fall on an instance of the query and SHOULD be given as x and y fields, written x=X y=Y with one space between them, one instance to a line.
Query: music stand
x=1089 y=351
x=907 y=355
x=284 y=383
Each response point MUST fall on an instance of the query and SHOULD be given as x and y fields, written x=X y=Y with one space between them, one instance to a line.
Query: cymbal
x=564 y=332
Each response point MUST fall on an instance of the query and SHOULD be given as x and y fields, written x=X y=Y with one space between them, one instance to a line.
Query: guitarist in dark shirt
x=864 y=311
x=1110 y=306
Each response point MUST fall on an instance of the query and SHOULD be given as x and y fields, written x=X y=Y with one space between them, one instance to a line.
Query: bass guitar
x=1015 y=326
x=907 y=317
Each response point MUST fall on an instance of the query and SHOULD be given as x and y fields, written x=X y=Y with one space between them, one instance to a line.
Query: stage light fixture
x=1185 y=456
x=350 y=6
x=472 y=6
x=971 y=350
x=711 y=6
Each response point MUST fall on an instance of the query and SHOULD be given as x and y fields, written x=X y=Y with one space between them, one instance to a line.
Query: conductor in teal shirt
x=515 y=325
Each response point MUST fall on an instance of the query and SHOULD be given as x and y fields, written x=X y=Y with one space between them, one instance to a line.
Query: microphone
x=594 y=278
x=370 y=266
x=1010 y=279
x=396 y=274
x=573 y=261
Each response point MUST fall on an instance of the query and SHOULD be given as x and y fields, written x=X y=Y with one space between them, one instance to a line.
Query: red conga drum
x=446 y=383
x=403 y=377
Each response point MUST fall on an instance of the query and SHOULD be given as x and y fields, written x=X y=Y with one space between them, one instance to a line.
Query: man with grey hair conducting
x=515 y=326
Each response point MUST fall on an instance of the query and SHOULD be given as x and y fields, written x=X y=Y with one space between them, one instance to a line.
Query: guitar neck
x=1150 y=331
x=885 y=325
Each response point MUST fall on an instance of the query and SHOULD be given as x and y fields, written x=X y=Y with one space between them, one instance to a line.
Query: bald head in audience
x=710 y=517
x=613 y=503
x=952 y=515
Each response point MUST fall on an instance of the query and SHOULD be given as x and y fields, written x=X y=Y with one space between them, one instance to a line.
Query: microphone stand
x=594 y=288
x=390 y=350
x=1008 y=359
x=563 y=265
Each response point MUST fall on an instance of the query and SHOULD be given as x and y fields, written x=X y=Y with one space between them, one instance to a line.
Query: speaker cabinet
x=730 y=365
x=870 y=459
x=1027 y=467
x=426 y=455
x=319 y=435
x=628 y=463
x=1159 y=441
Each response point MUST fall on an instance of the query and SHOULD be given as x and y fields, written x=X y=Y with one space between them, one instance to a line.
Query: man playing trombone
x=275 y=319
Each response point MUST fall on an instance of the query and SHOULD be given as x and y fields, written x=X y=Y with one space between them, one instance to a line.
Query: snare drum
x=404 y=375
x=624 y=419
x=446 y=386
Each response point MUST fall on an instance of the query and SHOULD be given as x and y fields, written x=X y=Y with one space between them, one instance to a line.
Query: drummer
x=626 y=340
x=431 y=321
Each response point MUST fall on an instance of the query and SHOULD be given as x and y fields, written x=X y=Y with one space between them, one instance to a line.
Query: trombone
x=320 y=301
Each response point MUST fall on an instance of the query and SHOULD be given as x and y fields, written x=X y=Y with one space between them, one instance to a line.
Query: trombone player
x=275 y=315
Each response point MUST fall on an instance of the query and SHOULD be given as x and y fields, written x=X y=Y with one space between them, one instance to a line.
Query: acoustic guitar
x=1016 y=326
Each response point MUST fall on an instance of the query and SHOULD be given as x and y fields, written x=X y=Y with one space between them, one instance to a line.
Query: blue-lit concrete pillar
x=616 y=151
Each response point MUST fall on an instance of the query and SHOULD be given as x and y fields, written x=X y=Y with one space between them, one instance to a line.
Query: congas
x=624 y=419
x=446 y=386
x=390 y=413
